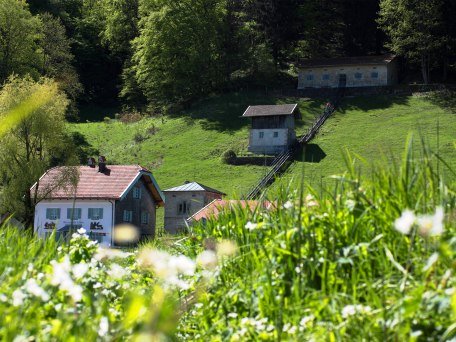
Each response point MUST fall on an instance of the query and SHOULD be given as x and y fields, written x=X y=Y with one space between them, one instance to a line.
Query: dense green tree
x=30 y=147
x=177 y=53
x=19 y=36
x=414 y=30
x=56 y=57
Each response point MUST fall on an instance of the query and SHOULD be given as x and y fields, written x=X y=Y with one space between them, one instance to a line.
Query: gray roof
x=338 y=61
x=194 y=186
x=270 y=110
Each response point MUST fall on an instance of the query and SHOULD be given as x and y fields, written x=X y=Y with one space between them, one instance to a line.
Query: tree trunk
x=425 y=69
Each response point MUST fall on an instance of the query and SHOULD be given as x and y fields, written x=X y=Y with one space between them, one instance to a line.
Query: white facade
x=355 y=76
x=98 y=227
x=268 y=140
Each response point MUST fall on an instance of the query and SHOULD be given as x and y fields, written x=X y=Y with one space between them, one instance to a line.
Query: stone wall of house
x=144 y=204
x=197 y=200
x=270 y=141
x=356 y=76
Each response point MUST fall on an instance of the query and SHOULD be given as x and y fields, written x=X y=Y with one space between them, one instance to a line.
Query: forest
x=156 y=53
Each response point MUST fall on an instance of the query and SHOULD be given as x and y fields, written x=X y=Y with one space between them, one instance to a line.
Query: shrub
x=229 y=157
x=107 y=120
x=139 y=137
x=132 y=117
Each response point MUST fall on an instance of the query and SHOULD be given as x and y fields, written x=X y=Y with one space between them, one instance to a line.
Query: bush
x=107 y=120
x=132 y=117
x=229 y=157
x=139 y=137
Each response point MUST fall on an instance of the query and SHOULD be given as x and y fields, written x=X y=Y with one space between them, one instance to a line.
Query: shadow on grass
x=371 y=102
x=223 y=113
x=310 y=153
x=444 y=99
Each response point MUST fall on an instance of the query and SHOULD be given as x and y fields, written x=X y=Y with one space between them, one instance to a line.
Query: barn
x=366 y=71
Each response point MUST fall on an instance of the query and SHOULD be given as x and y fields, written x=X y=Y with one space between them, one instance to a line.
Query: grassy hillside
x=375 y=129
x=188 y=146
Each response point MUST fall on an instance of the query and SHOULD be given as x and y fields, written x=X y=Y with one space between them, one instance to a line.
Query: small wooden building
x=185 y=200
x=273 y=128
x=105 y=196
x=365 y=71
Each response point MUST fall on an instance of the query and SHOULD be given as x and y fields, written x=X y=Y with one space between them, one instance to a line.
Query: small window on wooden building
x=136 y=193
x=325 y=77
x=358 y=75
x=127 y=215
x=144 y=217
x=183 y=208
x=74 y=214
x=261 y=135
x=95 y=213
x=374 y=75
x=53 y=213
x=276 y=134
x=310 y=77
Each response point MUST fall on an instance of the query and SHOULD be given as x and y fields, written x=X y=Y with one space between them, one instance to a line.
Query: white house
x=103 y=198
x=273 y=127
x=365 y=71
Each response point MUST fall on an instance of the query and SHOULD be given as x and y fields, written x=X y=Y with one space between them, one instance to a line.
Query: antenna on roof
x=91 y=162
x=101 y=164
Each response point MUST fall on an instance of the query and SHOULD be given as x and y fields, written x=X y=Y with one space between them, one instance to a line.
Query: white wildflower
x=350 y=204
x=30 y=267
x=288 y=205
x=80 y=270
x=18 y=297
x=305 y=321
x=310 y=201
x=251 y=226
x=3 y=298
x=103 y=327
x=289 y=329
x=117 y=272
x=32 y=287
x=81 y=231
x=207 y=259
x=182 y=264
x=431 y=225
x=404 y=223
x=232 y=315
x=97 y=285
x=351 y=310
x=108 y=253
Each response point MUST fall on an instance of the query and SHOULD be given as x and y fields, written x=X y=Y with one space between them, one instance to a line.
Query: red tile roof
x=217 y=206
x=92 y=184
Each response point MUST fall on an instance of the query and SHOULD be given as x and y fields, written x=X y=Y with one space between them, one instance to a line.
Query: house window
x=261 y=135
x=53 y=213
x=127 y=215
x=374 y=75
x=276 y=134
x=136 y=193
x=95 y=213
x=358 y=75
x=74 y=214
x=310 y=77
x=144 y=217
x=183 y=208
x=325 y=77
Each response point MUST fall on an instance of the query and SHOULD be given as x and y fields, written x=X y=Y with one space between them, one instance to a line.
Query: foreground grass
x=330 y=267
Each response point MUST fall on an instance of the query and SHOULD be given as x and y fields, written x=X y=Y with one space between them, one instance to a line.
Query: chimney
x=91 y=162
x=102 y=164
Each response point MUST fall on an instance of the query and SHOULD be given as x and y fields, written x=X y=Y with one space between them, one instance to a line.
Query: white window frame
x=275 y=134
x=71 y=213
x=95 y=214
x=261 y=135
x=183 y=208
x=55 y=211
